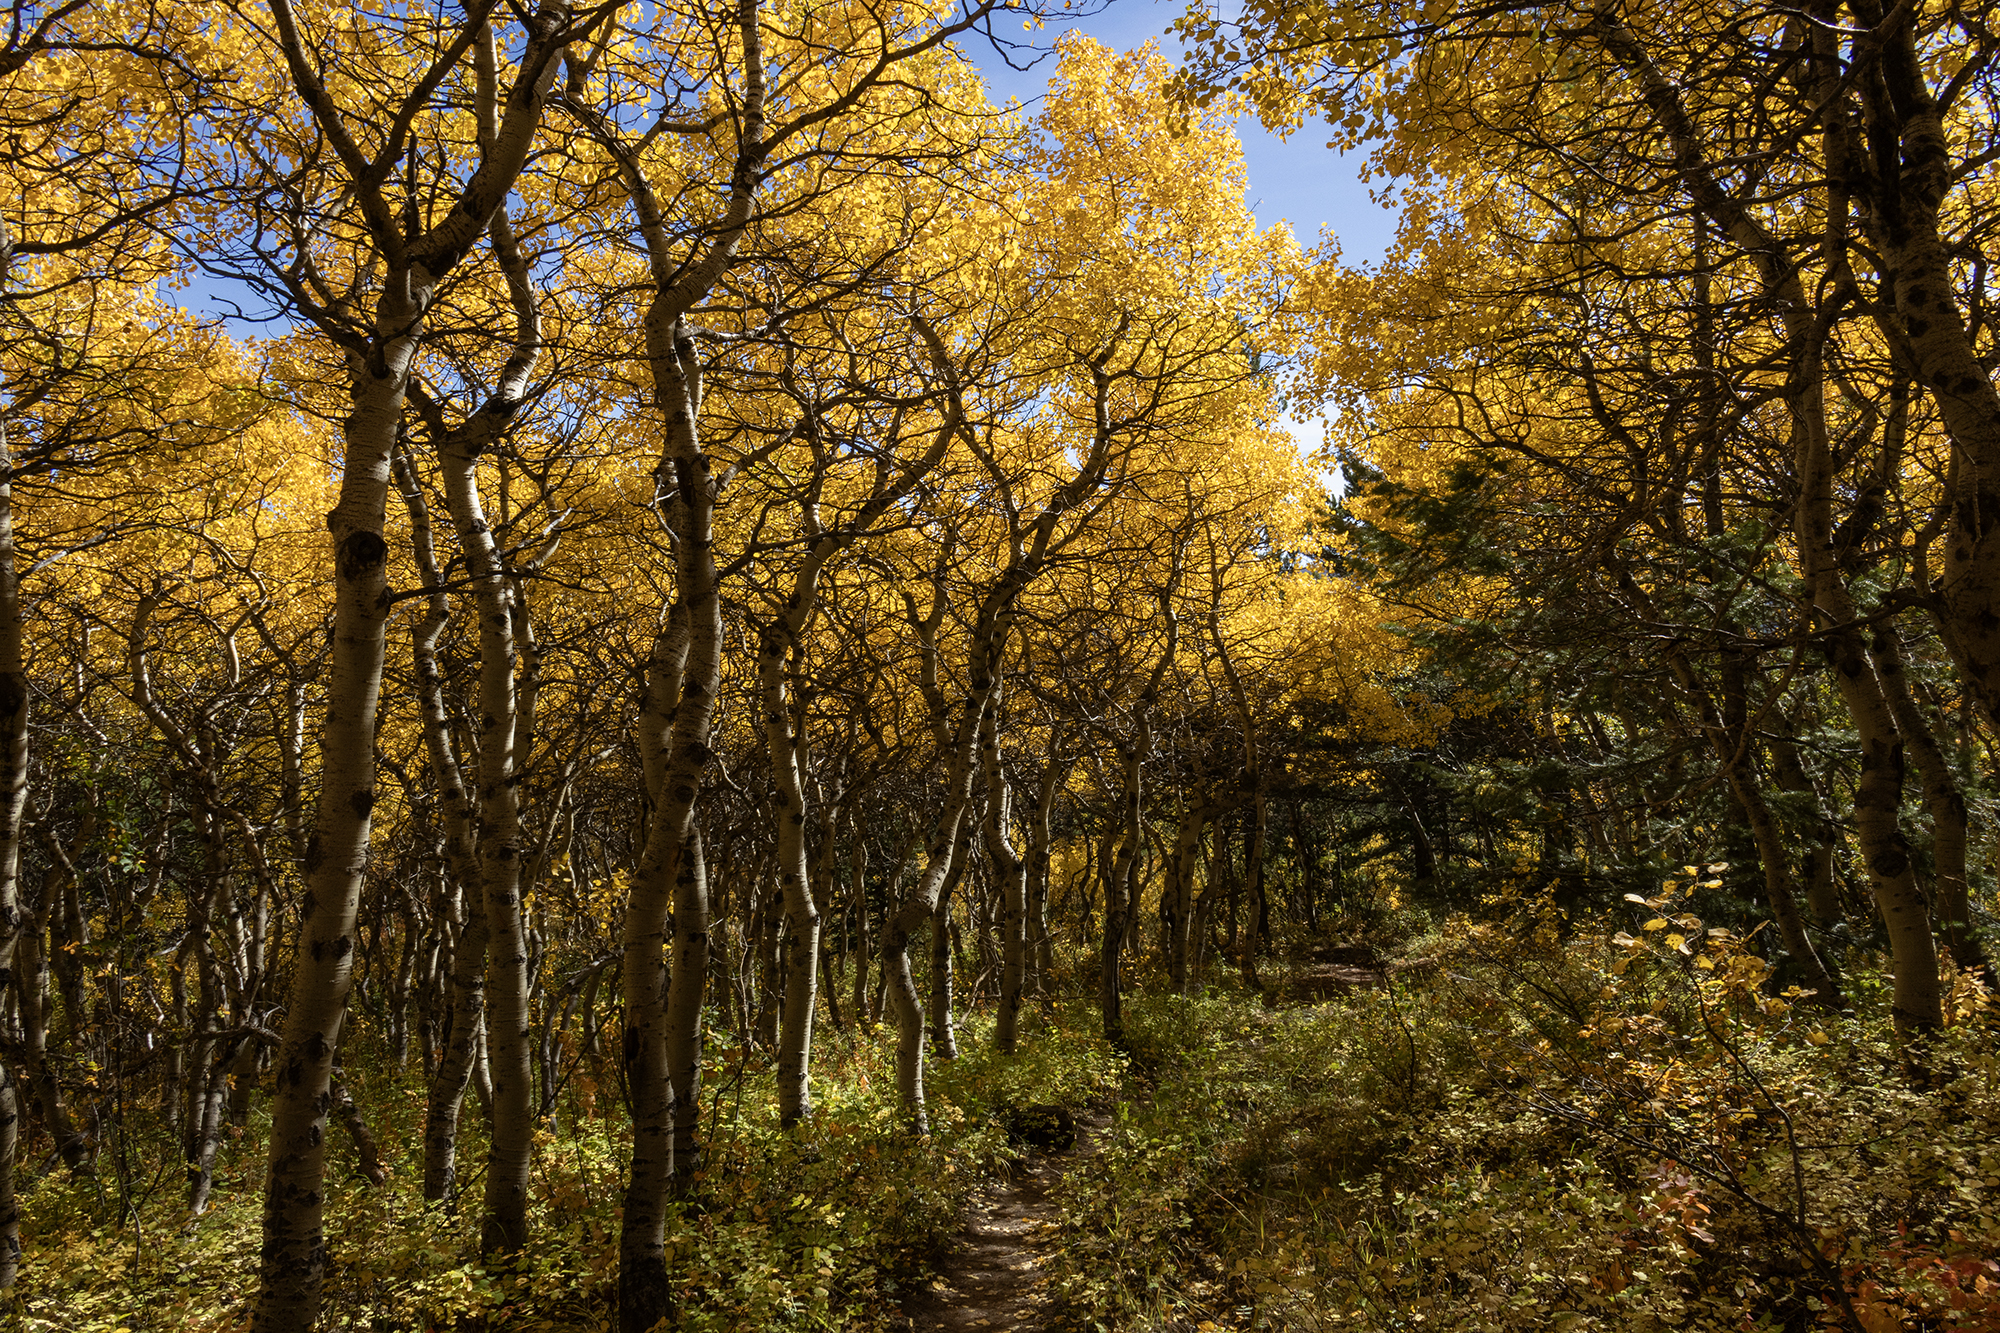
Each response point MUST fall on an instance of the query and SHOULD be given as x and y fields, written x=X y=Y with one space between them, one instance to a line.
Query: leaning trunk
x=294 y=1250
x=1943 y=798
x=1010 y=874
x=801 y=946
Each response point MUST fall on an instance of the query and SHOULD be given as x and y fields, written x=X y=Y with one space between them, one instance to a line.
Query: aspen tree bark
x=767 y=944
x=504 y=726
x=1257 y=933
x=857 y=891
x=503 y=1227
x=681 y=694
x=920 y=908
x=1121 y=889
x=1120 y=883
x=1733 y=750
x=1039 y=954
x=943 y=998
x=208 y=1126
x=13 y=801
x=1196 y=815
x=1010 y=874
x=1916 y=1005
x=465 y=1012
x=643 y=1294
x=1259 y=930
x=781 y=653
x=802 y=914
x=1031 y=546
x=1892 y=155
x=31 y=987
x=686 y=995
x=1212 y=892
x=10 y=1204
x=294 y=1250
x=1943 y=798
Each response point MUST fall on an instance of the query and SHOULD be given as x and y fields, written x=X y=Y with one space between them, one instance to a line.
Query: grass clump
x=1547 y=1130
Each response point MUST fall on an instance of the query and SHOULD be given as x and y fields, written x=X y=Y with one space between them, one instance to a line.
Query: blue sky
x=1299 y=180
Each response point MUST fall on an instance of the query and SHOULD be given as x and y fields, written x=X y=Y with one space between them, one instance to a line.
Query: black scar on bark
x=1889 y=864
x=360 y=553
x=362 y=801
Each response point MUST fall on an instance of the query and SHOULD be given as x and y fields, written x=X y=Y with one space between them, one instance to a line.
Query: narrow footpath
x=992 y=1279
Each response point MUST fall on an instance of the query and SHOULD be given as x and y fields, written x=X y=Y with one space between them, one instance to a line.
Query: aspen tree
x=1610 y=148
x=86 y=183
x=1011 y=872
x=378 y=322
x=686 y=259
x=781 y=650
x=465 y=1014
x=506 y=714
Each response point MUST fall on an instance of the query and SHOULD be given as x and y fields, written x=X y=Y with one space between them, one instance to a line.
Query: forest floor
x=992 y=1278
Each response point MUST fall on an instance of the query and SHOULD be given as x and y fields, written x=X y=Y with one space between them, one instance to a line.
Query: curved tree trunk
x=801 y=962
x=13 y=800
x=1943 y=798
x=944 y=1031
x=294 y=1249
x=1010 y=874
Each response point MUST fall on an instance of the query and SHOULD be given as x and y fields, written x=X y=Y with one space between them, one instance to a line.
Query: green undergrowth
x=1558 y=1130
x=815 y=1229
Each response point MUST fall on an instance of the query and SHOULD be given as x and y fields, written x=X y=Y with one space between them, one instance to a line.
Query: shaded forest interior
x=732 y=643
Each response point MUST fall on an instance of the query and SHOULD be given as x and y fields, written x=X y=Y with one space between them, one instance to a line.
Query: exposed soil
x=992 y=1279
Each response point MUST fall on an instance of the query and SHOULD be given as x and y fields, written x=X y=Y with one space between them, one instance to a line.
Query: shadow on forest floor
x=992 y=1278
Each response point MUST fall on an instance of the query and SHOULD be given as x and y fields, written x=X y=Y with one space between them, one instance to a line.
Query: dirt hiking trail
x=992 y=1279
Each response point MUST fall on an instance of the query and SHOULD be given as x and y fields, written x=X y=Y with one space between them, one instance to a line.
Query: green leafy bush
x=1548 y=1130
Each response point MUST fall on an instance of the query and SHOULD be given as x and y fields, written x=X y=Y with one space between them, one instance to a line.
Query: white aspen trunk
x=1040 y=949
x=858 y=904
x=1010 y=874
x=642 y=1252
x=802 y=940
x=503 y=1226
x=1943 y=797
x=944 y=1030
x=1121 y=885
x=13 y=799
x=687 y=994
x=465 y=1012
x=294 y=1250
x=1916 y=1004
x=10 y=1204
x=682 y=683
x=31 y=982
x=1195 y=817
